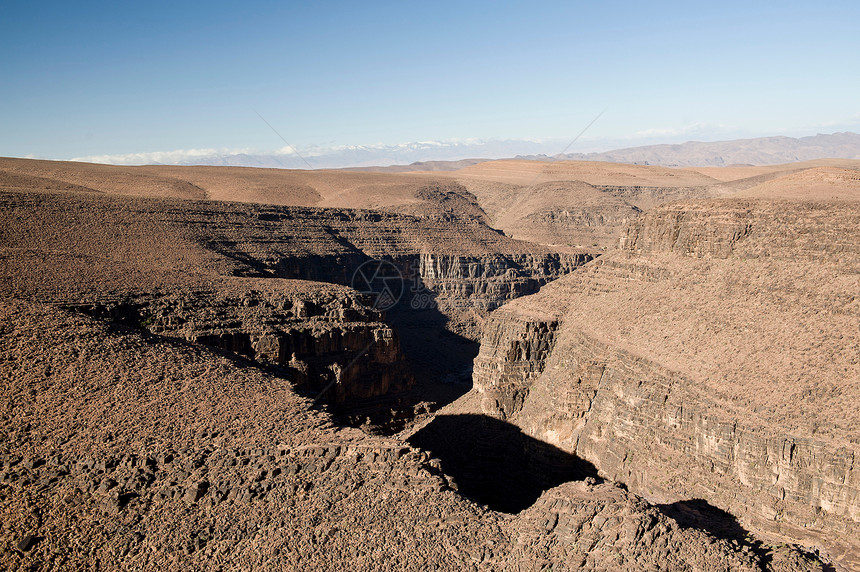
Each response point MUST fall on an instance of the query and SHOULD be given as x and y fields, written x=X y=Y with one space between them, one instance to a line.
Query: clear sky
x=87 y=78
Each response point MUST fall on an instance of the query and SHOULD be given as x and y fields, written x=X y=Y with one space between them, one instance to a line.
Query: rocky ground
x=126 y=451
x=196 y=383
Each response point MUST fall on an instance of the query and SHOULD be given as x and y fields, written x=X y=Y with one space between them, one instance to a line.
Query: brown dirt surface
x=128 y=452
x=552 y=203
x=524 y=172
x=814 y=184
x=580 y=202
x=164 y=329
x=340 y=189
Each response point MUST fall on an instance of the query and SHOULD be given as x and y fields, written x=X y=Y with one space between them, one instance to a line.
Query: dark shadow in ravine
x=702 y=515
x=495 y=463
x=441 y=360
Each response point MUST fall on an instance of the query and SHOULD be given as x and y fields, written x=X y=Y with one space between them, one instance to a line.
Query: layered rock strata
x=695 y=363
x=323 y=338
x=451 y=260
x=209 y=272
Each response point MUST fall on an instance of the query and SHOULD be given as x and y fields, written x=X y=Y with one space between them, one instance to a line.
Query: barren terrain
x=570 y=365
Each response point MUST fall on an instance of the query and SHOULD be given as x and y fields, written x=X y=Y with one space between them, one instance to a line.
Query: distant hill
x=760 y=151
x=453 y=155
x=424 y=166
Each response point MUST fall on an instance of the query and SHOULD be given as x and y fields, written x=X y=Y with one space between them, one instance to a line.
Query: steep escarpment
x=781 y=230
x=435 y=280
x=714 y=357
x=327 y=340
x=448 y=260
x=119 y=235
x=513 y=355
x=487 y=282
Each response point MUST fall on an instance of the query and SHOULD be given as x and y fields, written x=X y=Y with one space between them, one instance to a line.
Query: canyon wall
x=233 y=276
x=488 y=282
x=324 y=339
x=695 y=364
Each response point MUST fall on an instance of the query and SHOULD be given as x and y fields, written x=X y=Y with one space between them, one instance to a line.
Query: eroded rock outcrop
x=322 y=338
x=513 y=355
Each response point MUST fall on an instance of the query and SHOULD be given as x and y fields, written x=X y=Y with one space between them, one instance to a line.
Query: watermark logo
x=386 y=285
x=382 y=281
x=422 y=297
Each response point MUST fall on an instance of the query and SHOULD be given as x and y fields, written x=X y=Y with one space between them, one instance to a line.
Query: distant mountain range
x=447 y=155
x=347 y=156
x=760 y=151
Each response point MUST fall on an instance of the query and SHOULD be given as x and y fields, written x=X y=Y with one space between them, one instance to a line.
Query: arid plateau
x=515 y=365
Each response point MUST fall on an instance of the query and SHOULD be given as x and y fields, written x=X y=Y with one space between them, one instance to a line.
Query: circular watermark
x=381 y=280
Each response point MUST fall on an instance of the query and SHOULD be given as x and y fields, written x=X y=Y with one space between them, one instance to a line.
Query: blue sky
x=82 y=79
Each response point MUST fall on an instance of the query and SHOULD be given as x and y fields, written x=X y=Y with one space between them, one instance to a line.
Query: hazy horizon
x=441 y=151
x=179 y=82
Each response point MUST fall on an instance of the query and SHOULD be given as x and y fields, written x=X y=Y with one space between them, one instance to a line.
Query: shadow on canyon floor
x=495 y=463
x=441 y=360
x=702 y=515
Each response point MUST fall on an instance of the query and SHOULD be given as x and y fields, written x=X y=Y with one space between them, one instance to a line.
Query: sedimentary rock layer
x=211 y=272
x=714 y=357
x=144 y=244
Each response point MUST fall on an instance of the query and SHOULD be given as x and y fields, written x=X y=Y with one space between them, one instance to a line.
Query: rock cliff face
x=488 y=282
x=564 y=213
x=210 y=272
x=647 y=427
x=694 y=232
x=741 y=399
x=513 y=355
x=321 y=338
x=452 y=281
x=749 y=229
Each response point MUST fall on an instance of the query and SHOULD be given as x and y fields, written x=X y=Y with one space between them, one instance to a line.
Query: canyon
x=516 y=365
x=699 y=362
